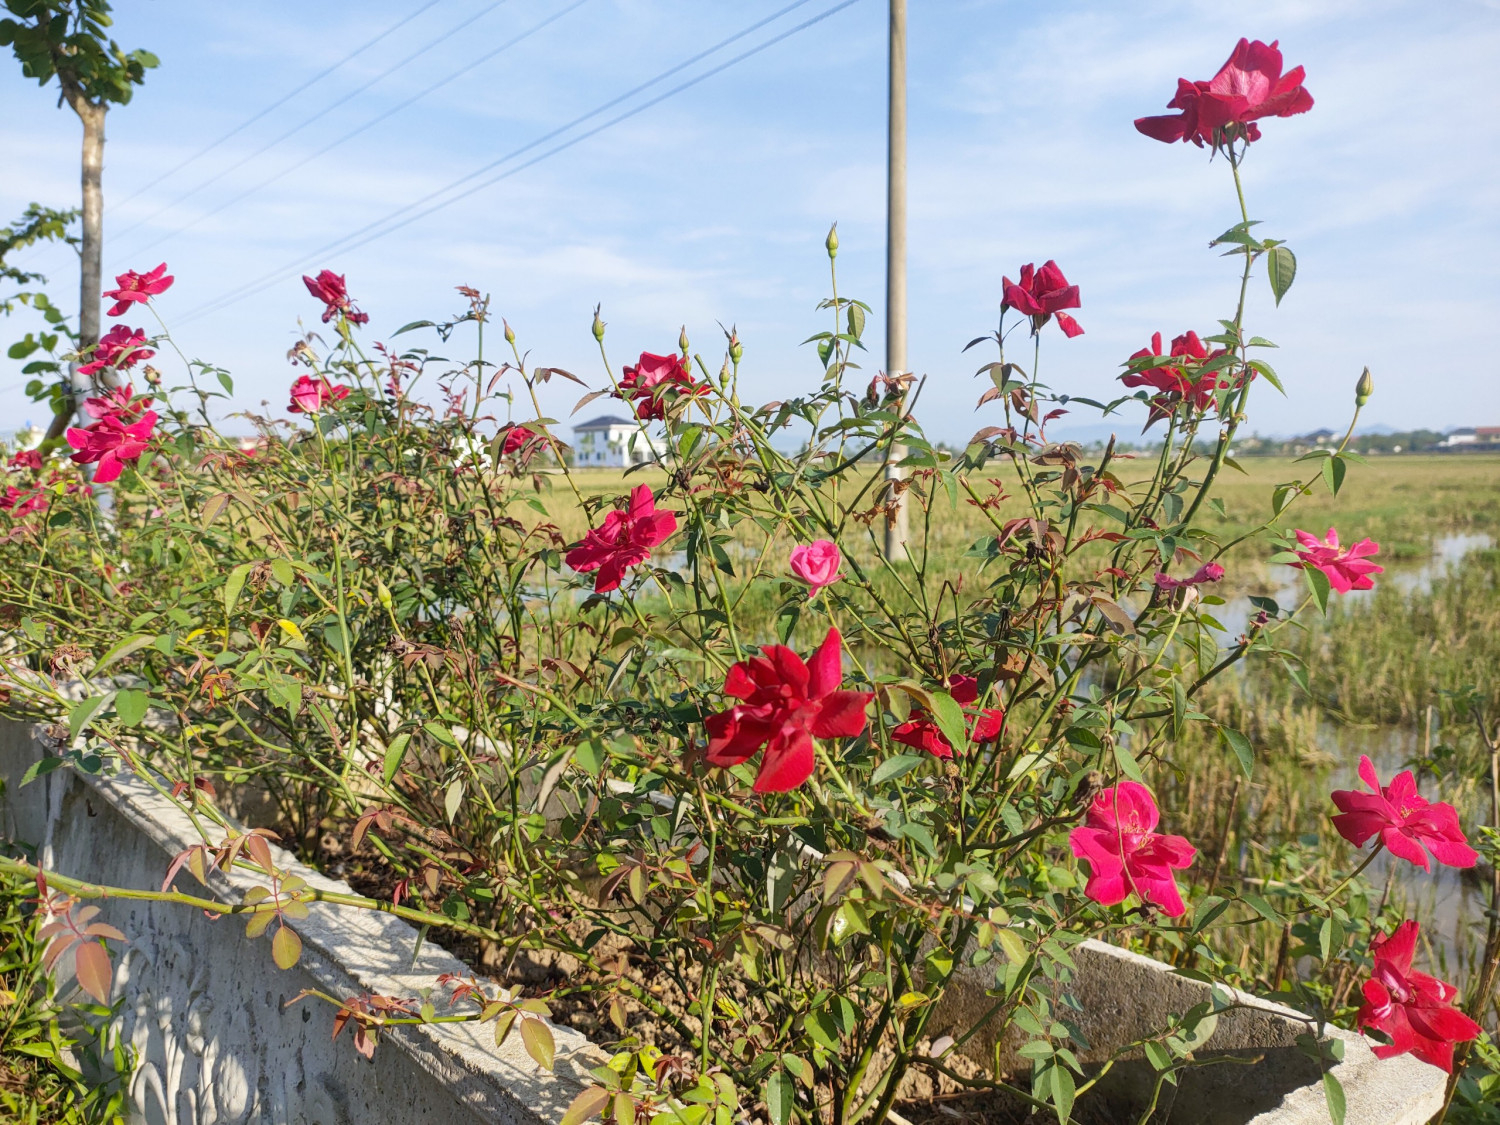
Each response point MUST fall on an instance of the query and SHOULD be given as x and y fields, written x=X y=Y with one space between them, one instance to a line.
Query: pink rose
x=817 y=564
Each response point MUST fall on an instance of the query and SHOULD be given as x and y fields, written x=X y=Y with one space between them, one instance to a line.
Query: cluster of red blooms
x=1181 y=380
x=32 y=494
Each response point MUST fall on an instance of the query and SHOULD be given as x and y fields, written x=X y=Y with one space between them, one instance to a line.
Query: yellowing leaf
x=286 y=948
x=537 y=1037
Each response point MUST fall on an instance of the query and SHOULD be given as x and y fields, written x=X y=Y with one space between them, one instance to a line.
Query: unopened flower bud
x=1364 y=388
x=736 y=349
x=832 y=241
x=510 y=333
x=682 y=341
x=382 y=594
x=598 y=325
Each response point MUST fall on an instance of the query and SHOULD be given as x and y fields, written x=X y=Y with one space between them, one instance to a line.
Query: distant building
x=1473 y=435
x=614 y=443
x=1466 y=436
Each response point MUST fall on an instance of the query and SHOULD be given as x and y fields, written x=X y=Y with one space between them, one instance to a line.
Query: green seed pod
x=1364 y=388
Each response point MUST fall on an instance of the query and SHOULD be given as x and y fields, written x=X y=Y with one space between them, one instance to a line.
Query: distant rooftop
x=603 y=422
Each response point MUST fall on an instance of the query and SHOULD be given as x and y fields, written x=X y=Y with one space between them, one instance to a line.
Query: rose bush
x=547 y=720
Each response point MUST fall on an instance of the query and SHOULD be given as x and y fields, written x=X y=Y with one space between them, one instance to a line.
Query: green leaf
x=1128 y=765
x=1333 y=1094
x=1241 y=747
x=779 y=1095
x=130 y=707
x=1330 y=937
x=1062 y=1092
x=949 y=717
x=1261 y=907
x=892 y=768
x=286 y=947
x=1317 y=581
x=233 y=585
x=453 y=799
x=1179 y=708
x=824 y=1032
x=586 y=1105
x=1281 y=268
x=537 y=1038
x=1334 y=469
x=394 y=753
x=82 y=711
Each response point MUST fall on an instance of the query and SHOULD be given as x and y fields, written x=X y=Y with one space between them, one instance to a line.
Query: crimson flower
x=1042 y=294
x=1208 y=572
x=1125 y=853
x=329 y=287
x=817 y=564
x=922 y=733
x=1346 y=567
x=23 y=501
x=119 y=401
x=1404 y=820
x=26 y=459
x=310 y=395
x=653 y=377
x=1178 y=382
x=515 y=437
x=1248 y=87
x=786 y=705
x=119 y=348
x=624 y=540
x=1415 y=1010
x=112 y=441
x=132 y=287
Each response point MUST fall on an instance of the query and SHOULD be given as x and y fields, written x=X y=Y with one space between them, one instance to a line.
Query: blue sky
x=712 y=205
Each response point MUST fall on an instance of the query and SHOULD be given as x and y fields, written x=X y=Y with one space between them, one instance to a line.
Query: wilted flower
x=1124 y=852
x=1249 y=86
x=1415 y=1010
x=1403 y=819
x=787 y=703
x=1042 y=294
x=624 y=540
x=119 y=348
x=132 y=287
x=1345 y=567
x=329 y=287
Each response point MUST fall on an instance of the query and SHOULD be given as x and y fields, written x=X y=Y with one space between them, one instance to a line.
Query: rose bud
x=1364 y=388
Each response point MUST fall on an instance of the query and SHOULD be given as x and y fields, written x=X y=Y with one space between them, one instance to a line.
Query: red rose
x=1248 y=87
x=1042 y=294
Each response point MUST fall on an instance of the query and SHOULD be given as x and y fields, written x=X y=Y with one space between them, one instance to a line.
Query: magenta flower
x=1208 y=572
x=1249 y=86
x=787 y=703
x=515 y=438
x=817 y=564
x=1042 y=294
x=650 y=384
x=23 y=501
x=1345 y=567
x=112 y=441
x=921 y=733
x=1124 y=852
x=310 y=395
x=119 y=348
x=26 y=459
x=330 y=288
x=1415 y=1010
x=624 y=540
x=1405 y=821
x=132 y=287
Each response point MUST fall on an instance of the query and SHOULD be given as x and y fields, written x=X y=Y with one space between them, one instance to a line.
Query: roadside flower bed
x=767 y=789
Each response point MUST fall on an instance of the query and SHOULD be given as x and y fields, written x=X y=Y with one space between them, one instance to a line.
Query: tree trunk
x=91 y=272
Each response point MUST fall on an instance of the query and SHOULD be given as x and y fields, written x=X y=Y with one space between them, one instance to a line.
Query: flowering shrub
x=551 y=720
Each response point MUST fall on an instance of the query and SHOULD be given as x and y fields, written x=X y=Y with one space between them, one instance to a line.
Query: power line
x=317 y=116
x=278 y=103
x=354 y=239
x=290 y=168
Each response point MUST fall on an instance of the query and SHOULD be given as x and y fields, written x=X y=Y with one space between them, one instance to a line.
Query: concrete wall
x=208 y=1015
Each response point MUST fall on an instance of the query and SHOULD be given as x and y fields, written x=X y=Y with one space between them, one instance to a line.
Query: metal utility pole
x=895 y=263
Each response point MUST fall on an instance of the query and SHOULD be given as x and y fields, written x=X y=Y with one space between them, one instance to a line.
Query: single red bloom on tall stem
x=1415 y=1010
x=330 y=288
x=1249 y=86
x=623 y=540
x=1125 y=853
x=131 y=287
x=787 y=703
x=310 y=395
x=1405 y=821
x=1042 y=294
x=922 y=733
x=651 y=383
x=1347 y=568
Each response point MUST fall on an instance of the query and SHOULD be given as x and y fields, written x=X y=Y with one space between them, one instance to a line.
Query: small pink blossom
x=1208 y=572
x=1124 y=852
x=1403 y=819
x=132 y=287
x=330 y=288
x=119 y=348
x=310 y=395
x=1346 y=567
x=817 y=564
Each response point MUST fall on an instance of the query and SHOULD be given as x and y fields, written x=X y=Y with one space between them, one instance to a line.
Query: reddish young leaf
x=92 y=968
x=286 y=947
x=585 y=1105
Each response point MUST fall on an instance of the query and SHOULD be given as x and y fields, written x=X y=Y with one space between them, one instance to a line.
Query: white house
x=614 y=443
